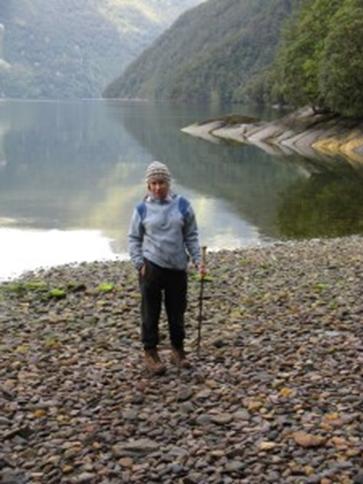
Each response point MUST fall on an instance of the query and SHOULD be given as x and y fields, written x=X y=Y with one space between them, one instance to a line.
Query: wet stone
x=234 y=466
x=138 y=399
x=222 y=418
x=186 y=407
x=85 y=478
x=126 y=462
x=203 y=420
x=241 y=415
x=141 y=445
x=184 y=394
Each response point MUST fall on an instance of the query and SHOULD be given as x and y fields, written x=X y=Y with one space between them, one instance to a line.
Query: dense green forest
x=209 y=53
x=74 y=48
x=320 y=61
x=277 y=52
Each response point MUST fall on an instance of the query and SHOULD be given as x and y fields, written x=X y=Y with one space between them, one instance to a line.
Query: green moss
x=19 y=288
x=52 y=343
x=106 y=287
x=320 y=286
x=36 y=285
x=13 y=288
x=57 y=293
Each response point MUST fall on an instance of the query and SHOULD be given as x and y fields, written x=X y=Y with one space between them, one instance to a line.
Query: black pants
x=173 y=284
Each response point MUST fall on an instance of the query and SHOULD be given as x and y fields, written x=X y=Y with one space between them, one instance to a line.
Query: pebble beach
x=274 y=396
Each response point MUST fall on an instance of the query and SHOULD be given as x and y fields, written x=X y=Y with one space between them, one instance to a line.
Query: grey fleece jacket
x=164 y=232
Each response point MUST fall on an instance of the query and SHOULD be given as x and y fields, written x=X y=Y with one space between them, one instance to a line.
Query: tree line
x=319 y=61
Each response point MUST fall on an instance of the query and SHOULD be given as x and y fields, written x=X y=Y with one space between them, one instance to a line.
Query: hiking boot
x=153 y=363
x=178 y=357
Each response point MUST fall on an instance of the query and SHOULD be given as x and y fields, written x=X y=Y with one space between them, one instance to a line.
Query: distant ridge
x=74 y=48
x=209 y=53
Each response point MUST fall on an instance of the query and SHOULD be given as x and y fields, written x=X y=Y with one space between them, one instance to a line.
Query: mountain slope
x=208 y=53
x=73 y=48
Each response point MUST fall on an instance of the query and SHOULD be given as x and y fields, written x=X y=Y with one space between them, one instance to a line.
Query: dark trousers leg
x=175 y=305
x=151 y=296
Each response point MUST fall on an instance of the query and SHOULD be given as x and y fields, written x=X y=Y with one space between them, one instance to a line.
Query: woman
x=163 y=231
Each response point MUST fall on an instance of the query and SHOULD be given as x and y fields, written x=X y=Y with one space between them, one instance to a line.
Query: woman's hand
x=202 y=270
x=142 y=271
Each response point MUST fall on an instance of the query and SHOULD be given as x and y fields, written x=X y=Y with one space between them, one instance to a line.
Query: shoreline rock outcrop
x=275 y=396
x=303 y=132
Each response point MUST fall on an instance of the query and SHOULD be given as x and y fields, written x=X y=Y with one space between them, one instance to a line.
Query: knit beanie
x=158 y=170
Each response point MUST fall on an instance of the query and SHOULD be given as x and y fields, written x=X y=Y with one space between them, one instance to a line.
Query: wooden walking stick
x=200 y=316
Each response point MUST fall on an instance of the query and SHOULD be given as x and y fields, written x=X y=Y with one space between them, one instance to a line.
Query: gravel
x=275 y=395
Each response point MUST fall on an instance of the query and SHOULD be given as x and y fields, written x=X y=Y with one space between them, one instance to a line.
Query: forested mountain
x=320 y=61
x=294 y=52
x=210 y=52
x=74 y=48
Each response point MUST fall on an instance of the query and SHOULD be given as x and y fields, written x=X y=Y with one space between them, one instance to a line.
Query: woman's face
x=159 y=188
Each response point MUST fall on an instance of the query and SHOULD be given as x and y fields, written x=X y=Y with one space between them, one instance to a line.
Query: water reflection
x=285 y=197
x=80 y=166
x=326 y=205
x=60 y=162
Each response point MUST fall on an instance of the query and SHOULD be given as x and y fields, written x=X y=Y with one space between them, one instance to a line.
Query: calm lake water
x=71 y=173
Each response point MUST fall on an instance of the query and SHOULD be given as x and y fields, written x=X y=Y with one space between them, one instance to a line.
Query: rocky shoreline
x=303 y=132
x=275 y=396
